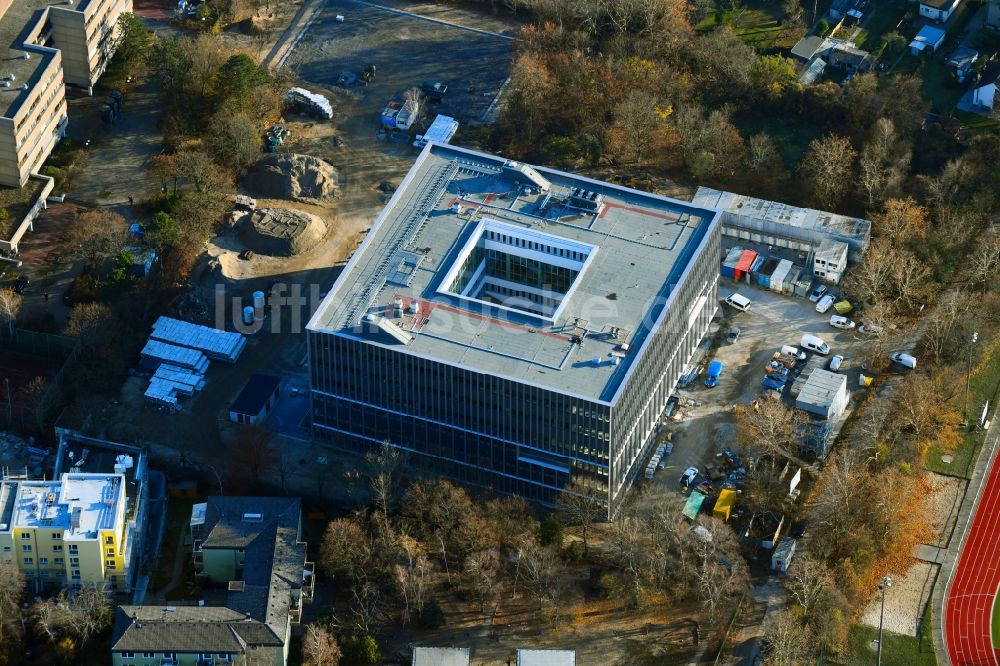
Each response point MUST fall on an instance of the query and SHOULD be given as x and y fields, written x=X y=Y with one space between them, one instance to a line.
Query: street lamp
x=886 y=582
x=968 y=377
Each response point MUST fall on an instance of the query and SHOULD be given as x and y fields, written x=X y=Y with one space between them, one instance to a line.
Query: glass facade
x=503 y=434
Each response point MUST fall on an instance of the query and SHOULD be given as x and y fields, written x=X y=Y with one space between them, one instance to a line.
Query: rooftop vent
x=253 y=517
x=235 y=586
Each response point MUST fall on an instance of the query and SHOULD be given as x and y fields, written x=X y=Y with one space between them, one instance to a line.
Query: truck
x=400 y=115
x=441 y=131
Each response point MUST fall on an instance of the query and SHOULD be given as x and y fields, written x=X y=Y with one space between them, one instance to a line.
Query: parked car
x=668 y=411
x=688 y=477
x=734 y=335
x=713 y=374
x=818 y=292
x=814 y=344
x=904 y=359
x=741 y=303
x=836 y=362
x=789 y=351
x=773 y=384
x=841 y=322
x=824 y=304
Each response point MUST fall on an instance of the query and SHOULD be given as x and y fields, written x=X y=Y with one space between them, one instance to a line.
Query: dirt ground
x=943 y=504
x=905 y=600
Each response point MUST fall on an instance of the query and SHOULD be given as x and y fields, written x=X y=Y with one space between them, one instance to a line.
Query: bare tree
x=386 y=463
x=827 y=169
x=769 y=426
x=10 y=306
x=790 y=641
x=543 y=573
x=984 y=260
x=413 y=577
x=722 y=575
x=83 y=615
x=579 y=507
x=482 y=576
x=872 y=279
x=808 y=578
x=762 y=153
x=319 y=647
x=345 y=550
x=11 y=591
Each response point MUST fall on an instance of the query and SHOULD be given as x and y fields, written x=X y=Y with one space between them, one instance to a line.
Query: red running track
x=969 y=606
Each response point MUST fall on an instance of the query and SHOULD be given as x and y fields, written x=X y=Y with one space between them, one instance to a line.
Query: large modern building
x=514 y=327
x=70 y=532
x=48 y=45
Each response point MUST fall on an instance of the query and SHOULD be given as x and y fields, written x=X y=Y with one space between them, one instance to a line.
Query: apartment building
x=250 y=549
x=48 y=45
x=66 y=532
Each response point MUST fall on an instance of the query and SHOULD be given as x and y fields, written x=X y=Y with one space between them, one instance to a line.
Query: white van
x=904 y=360
x=789 y=351
x=814 y=344
x=741 y=303
x=841 y=322
x=824 y=304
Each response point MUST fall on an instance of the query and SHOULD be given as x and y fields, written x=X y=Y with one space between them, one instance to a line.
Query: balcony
x=295 y=611
x=308 y=581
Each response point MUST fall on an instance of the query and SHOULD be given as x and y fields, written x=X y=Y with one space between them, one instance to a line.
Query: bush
x=431 y=615
x=574 y=552
x=361 y=650
x=550 y=532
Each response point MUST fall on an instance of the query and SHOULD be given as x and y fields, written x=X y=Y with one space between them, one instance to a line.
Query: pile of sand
x=292 y=176
x=281 y=232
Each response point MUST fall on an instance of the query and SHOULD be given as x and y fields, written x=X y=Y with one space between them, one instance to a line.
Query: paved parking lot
x=406 y=51
x=708 y=427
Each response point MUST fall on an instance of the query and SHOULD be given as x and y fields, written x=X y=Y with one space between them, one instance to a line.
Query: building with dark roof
x=256 y=400
x=252 y=546
x=515 y=327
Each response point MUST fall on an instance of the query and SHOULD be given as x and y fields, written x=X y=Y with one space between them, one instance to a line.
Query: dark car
x=21 y=284
x=434 y=91
x=773 y=384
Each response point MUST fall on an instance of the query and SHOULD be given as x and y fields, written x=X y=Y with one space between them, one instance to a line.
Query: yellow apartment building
x=67 y=532
x=43 y=47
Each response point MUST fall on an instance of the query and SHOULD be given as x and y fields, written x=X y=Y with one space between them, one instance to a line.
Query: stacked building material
x=156 y=353
x=215 y=344
x=187 y=383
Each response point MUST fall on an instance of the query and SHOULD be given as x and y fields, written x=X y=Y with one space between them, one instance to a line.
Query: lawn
x=790 y=138
x=978 y=123
x=757 y=23
x=983 y=386
x=885 y=19
x=996 y=621
x=178 y=518
x=14 y=204
x=898 y=650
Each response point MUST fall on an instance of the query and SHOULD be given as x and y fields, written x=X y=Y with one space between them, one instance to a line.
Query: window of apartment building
x=225 y=657
x=74 y=561
x=109 y=540
x=76 y=574
x=59 y=560
x=169 y=655
x=57 y=549
x=111 y=551
x=29 y=560
x=111 y=564
x=6 y=549
x=148 y=655
x=73 y=549
x=25 y=535
x=57 y=536
x=43 y=560
x=207 y=656
x=128 y=655
x=26 y=549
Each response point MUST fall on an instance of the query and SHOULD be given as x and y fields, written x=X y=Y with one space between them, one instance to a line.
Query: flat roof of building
x=258 y=390
x=15 y=23
x=625 y=251
x=546 y=657
x=435 y=656
x=79 y=504
x=821 y=388
x=783 y=214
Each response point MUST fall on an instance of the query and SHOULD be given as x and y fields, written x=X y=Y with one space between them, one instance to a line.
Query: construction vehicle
x=275 y=136
x=401 y=115
x=368 y=74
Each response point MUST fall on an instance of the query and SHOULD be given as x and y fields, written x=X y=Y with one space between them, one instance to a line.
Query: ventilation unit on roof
x=253 y=517
x=584 y=199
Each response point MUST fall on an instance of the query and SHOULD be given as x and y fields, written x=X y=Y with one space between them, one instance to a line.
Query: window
x=56 y=549
x=205 y=655
x=73 y=549
x=28 y=560
x=43 y=560
x=75 y=561
x=111 y=564
x=109 y=540
x=111 y=551
x=57 y=536
x=6 y=549
x=76 y=574
x=26 y=549
x=128 y=655
x=59 y=560
x=25 y=535
x=148 y=655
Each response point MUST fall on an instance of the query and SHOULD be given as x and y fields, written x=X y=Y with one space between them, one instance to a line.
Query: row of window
x=224 y=656
x=517 y=241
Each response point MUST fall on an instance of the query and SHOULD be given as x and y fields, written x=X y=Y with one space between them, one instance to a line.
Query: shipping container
x=764 y=275
x=778 y=277
x=724 y=505
x=788 y=282
x=744 y=264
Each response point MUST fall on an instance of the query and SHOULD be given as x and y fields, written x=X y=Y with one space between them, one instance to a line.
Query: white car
x=836 y=362
x=688 y=477
x=871 y=329
x=824 y=304
x=841 y=322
